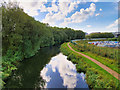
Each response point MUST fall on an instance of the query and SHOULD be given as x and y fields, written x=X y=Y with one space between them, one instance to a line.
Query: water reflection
x=28 y=73
x=58 y=73
x=61 y=73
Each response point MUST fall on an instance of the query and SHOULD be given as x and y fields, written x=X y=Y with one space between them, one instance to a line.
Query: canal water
x=49 y=68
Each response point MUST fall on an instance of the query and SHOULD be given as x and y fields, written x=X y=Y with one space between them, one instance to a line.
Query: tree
x=119 y=38
x=100 y=35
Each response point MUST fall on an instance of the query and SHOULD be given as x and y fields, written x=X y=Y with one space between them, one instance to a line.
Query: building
x=116 y=34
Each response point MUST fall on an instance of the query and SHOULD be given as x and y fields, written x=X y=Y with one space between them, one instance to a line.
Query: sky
x=86 y=15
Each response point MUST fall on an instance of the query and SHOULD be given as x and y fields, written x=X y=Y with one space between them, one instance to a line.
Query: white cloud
x=53 y=8
x=80 y=16
x=31 y=7
x=62 y=10
x=94 y=0
x=114 y=24
x=100 y=9
x=88 y=26
x=97 y=14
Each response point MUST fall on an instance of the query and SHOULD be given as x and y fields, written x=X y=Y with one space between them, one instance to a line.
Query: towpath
x=112 y=72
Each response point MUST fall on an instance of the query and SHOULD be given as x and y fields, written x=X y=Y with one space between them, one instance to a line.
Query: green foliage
x=119 y=38
x=112 y=39
x=100 y=35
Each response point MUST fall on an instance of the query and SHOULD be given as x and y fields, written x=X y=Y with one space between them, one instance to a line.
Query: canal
x=49 y=68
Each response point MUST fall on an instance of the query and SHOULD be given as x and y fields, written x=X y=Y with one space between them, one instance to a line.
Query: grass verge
x=106 y=61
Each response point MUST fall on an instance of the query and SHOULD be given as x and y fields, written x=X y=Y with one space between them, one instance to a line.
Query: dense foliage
x=100 y=35
x=112 y=39
x=96 y=77
x=23 y=36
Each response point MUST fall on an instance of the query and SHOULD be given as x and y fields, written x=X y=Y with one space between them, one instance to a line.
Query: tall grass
x=98 y=54
x=108 y=52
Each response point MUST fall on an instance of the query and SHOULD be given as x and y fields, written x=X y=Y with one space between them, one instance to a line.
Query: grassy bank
x=95 y=53
x=96 y=77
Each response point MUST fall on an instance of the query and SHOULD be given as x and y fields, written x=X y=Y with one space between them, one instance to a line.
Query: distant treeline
x=23 y=36
x=100 y=35
x=119 y=38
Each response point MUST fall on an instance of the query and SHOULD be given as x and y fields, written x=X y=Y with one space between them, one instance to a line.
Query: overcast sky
x=95 y=16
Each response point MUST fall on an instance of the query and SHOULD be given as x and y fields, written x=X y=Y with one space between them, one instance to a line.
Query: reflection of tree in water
x=17 y=82
x=40 y=83
x=28 y=73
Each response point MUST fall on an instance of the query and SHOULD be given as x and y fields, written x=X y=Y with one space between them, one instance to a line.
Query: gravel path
x=112 y=72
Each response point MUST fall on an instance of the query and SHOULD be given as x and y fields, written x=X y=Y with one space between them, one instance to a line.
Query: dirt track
x=112 y=72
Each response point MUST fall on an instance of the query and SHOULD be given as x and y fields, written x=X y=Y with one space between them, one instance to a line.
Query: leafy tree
x=100 y=35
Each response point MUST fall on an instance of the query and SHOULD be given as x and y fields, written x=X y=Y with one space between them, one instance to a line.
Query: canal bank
x=96 y=76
